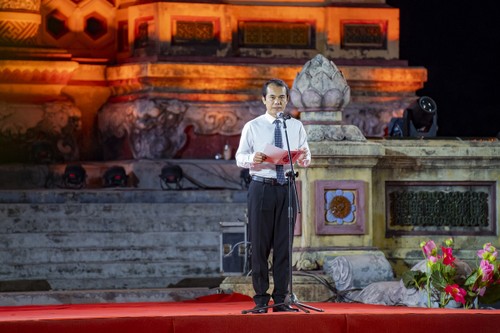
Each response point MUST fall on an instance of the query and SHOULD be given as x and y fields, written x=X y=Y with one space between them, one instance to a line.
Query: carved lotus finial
x=320 y=85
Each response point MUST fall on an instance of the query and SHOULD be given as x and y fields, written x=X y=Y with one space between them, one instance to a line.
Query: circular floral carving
x=340 y=206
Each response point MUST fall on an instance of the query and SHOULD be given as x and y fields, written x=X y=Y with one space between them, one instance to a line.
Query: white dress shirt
x=259 y=132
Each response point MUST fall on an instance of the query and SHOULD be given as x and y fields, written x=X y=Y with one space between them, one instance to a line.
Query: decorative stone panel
x=276 y=34
x=39 y=133
x=440 y=208
x=19 y=22
x=364 y=34
x=156 y=128
x=339 y=207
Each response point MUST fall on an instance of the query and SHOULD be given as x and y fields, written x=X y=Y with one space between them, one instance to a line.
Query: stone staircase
x=113 y=238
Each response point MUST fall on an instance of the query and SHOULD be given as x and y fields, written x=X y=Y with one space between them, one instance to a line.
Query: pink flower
x=429 y=248
x=486 y=270
x=431 y=260
x=456 y=292
x=488 y=247
x=489 y=252
x=480 y=291
x=448 y=258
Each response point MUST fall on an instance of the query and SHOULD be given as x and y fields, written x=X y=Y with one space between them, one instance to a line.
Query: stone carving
x=150 y=128
x=320 y=92
x=47 y=132
x=368 y=279
x=211 y=121
x=372 y=117
x=317 y=133
x=307 y=261
x=156 y=128
x=320 y=84
x=28 y=5
x=20 y=29
x=225 y=118
x=353 y=272
x=395 y=293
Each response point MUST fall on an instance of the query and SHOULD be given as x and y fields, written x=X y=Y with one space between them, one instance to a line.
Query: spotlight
x=42 y=152
x=115 y=176
x=171 y=174
x=74 y=176
x=420 y=118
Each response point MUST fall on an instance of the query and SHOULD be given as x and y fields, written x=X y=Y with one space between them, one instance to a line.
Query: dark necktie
x=278 y=142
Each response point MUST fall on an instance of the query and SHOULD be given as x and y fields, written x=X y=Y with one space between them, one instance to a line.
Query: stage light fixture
x=74 y=176
x=420 y=118
x=42 y=152
x=115 y=176
x=171 y=175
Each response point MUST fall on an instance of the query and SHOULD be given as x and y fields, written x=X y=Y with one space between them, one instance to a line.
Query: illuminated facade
x=110 y=80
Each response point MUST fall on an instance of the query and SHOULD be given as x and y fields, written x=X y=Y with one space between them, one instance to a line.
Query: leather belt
x=270 y=181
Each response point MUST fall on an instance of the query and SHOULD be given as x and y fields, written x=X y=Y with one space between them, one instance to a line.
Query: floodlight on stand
x=420 y=118
x=171 y=175
x=115 y=176
x=74 y=176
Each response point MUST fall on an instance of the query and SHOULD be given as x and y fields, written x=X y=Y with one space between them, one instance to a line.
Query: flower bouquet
x=443 y=282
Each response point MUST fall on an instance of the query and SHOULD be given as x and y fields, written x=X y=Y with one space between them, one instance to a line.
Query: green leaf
x=492 y=295
x=471 y=279
x=438 y=281
x=414 y=279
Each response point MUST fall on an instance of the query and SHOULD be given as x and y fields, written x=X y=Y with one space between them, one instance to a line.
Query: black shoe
x=259 y=308
x=284 y=308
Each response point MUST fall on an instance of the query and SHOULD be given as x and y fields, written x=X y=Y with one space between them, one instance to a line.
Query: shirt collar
x=270 y=118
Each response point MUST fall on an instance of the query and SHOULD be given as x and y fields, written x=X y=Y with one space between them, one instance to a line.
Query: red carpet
x=222 y=314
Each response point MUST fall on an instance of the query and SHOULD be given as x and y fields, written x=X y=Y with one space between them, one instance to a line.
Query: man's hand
x=259 y=157
x=302 y=160
x=303 y=154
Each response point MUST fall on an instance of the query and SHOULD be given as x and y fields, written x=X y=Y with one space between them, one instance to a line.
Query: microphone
x=283 y=115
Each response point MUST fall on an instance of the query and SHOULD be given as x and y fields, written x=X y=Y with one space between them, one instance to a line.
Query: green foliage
x=443 y=284
x=414 y=279
x=492 y=295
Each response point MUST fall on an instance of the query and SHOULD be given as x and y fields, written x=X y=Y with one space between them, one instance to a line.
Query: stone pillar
x=336 y=188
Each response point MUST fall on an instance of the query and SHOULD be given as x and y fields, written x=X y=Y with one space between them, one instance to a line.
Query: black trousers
x=269 y=229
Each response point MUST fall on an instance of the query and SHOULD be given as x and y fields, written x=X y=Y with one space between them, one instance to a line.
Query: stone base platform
x=307 y=286
x=103 y=296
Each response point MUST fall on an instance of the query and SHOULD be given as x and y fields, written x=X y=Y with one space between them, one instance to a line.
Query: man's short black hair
x=278 y=82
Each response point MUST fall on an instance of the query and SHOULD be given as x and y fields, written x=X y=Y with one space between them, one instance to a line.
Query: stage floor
x=224 y=314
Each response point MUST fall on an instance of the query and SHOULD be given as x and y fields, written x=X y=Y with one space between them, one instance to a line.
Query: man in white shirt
x=268 y=195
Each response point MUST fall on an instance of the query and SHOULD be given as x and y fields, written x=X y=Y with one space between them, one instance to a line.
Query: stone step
x=114 y=239
x=103 y=296
x=307 y=286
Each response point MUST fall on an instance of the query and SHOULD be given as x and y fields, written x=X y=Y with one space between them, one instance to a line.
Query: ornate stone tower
x=178 y=79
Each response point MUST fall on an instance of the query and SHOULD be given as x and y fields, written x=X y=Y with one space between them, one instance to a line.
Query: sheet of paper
x=277 y=155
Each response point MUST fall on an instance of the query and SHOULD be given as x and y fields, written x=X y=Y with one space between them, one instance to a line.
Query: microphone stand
x=290 y=299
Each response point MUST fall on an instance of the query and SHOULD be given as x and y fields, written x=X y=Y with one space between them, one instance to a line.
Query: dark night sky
x=458 y=43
